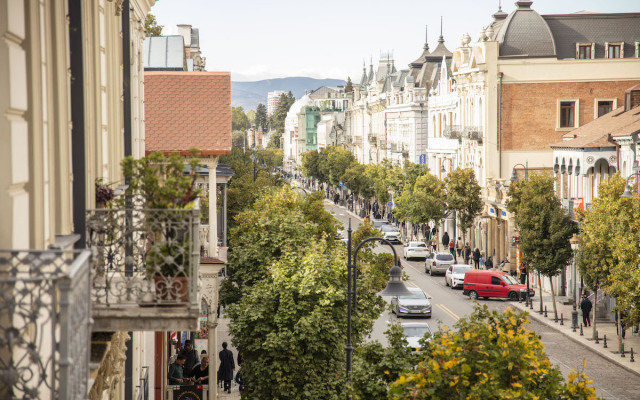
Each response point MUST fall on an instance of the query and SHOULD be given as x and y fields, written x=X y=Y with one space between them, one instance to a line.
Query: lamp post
x=514 y=178
x=395 y=286
x=574 y=278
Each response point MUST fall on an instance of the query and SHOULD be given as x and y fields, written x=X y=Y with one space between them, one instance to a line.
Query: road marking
x=451 y=313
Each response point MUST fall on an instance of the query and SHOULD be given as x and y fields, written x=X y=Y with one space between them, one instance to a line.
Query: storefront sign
x=578 y=203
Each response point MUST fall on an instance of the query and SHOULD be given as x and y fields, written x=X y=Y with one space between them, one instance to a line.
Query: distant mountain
x=250 y=94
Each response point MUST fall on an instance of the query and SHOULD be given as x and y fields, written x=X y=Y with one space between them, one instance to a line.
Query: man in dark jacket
x=476 y=258
x=585 y=306
x=191 y=355
x=176 y=371
x=227 y=366
x=445 y=241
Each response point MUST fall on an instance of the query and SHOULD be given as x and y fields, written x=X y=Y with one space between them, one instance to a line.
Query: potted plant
x=158 y=184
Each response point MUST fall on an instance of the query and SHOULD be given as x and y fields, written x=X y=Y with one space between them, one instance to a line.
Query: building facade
x=273 y=98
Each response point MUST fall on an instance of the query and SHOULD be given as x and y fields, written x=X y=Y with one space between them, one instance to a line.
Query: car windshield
x=510 y=280
x=444 y=257
x=416 y=331
x=415 y=295
x=460 y=270
x=417 y=244
x=387 y=228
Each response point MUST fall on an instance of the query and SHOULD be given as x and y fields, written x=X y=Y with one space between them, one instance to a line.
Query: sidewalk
x=223 y=336
x=631 y=341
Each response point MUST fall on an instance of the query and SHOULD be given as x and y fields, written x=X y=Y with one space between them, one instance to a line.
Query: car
x=379 y=223
x=391 y=233
x=437 y=262
x=415 y=304
x=415 y=250
x=492 y=283
x=414 y=331
x=454 y=276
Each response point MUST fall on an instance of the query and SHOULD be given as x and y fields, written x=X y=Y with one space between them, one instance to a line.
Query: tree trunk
x=553 y=299
x=619 y=329
x=540 y=291
x=593 y=322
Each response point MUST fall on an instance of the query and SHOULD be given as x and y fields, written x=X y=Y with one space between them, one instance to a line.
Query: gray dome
x=525 y=33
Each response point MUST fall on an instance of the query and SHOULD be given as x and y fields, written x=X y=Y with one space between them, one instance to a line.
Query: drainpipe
x=78 y=161
x=500 y=75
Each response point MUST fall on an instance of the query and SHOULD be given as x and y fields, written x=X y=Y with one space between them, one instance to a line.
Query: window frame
x=598 y=99
x=576 y=114
x=585 y=44
x=637 y=49
x=608 y=45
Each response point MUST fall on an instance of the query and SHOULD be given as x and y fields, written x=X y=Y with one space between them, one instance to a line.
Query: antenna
x=499 y=5
x=426 y=33
x=441 y=25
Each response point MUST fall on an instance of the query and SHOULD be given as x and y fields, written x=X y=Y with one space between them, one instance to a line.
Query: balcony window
x=604 y=107
x=585 y=51
x=615 y=50
x=567 y=114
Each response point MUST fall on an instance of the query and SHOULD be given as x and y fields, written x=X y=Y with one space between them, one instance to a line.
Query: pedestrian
x=192 y=356
x=585 y=306
x=488 y=264
x=200 y=373
x=452 y=249
x=482 y=265
x=476 y=258
x=459 y=246
x=241 y=383
x=445 y=240
x=467 y=254
x=176 y=371
x=523 y=275
x=227 y=366
x=622 y=327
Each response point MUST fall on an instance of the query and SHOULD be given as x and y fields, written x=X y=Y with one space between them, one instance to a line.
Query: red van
x=480 y=283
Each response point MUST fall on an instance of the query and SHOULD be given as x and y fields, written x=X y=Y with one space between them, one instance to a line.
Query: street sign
x=422 y=160
x=390 y=204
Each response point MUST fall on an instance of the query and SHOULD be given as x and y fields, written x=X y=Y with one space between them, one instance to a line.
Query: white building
x=273 y=98
x=291 y=146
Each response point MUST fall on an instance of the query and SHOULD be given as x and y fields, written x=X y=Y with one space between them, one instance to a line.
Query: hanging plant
x=104 y=194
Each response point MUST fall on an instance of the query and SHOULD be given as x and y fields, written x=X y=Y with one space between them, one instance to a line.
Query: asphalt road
x=449 y=305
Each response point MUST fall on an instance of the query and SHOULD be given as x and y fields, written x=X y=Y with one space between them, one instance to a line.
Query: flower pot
x=173 y=289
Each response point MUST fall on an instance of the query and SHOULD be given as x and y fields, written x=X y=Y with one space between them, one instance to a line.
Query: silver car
x=415 y=304
x=414 y=331
x=454 y=276
x=437 y=262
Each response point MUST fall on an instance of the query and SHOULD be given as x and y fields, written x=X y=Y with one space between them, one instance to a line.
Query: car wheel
x=473 y=295
x=513 y=296
x=446 y=283
x=430 y=271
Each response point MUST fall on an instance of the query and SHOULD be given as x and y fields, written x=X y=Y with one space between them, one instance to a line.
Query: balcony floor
x=136 y=318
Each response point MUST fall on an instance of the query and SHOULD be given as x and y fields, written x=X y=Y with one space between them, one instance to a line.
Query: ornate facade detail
x=111 y=373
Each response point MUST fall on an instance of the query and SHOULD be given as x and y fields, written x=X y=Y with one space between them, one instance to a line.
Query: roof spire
x=499 y=5
x=426 y=37
x=441 y=39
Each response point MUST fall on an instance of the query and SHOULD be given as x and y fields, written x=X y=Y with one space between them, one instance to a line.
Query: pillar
x=213 y=208
x=209 y=290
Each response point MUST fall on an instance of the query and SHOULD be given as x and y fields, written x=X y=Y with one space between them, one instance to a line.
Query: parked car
x=415 y=304
x=454 y=276
x=391 y=233
x=414 y=331
x=437 y=262
x=415 y=250
x=491 y=283
x=379 y=223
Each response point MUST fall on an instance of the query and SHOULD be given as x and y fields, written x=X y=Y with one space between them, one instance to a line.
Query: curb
x=576 y=339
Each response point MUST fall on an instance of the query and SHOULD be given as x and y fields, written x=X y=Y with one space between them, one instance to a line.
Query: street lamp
x=395 y=286
x=574 y=314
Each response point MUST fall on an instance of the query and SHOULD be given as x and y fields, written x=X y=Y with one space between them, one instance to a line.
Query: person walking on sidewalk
x=227 y=366
x=476 y=258
x=585 y=306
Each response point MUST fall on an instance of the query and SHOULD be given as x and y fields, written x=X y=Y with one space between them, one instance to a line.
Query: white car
x=414 y=331
x=438 y=262
x=415 y=250
x=454 y=276
x=391 y=233
x=415 y=304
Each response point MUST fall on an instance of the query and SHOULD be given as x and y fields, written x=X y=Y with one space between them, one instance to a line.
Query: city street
x=448 y=305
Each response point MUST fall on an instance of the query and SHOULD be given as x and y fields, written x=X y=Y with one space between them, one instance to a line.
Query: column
x=225 y=222
x=213 y=208
x=209 y=275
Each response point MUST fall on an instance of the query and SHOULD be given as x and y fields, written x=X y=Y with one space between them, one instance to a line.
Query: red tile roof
x=186 y=110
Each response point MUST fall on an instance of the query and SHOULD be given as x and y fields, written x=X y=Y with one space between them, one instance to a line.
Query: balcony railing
x=145 y=274
x=473 y=132
x=44 y=324
x=453 y=132
x=373 y=139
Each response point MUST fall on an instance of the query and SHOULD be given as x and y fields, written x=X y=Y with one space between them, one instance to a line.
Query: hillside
x=250 y=94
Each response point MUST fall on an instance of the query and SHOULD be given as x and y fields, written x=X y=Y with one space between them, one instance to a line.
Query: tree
x=260 y=120
x=151 y=26
x=463 y=196
x=280 y=114
x=251 y=116
x=238 y=139
x=239 y=120
x=275 y=140
x=545 y=227
x=334 y=161
x=311 y=164
x=423 y=204
x=270 y=158
x=490 y=355
x=609 y=247
x=349 y=87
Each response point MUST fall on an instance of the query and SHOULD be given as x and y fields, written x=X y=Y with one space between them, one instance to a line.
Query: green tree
x=270 y=158
x=311 y=165
x=260 y=120
x=463 y=196
x=355 y=177
x=280 y=114
x=275 y=140
x=151 y=26
x=349 y=87
x=609 y=247
x=545 y=227
x=239 y=120
x=251 y=116
x=423 y=204
x=489 y=355
x=238 y=139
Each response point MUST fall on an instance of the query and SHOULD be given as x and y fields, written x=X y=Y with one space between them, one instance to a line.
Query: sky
x=257 y=39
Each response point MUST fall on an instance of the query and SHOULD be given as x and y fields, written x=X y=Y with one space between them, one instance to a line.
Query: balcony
x=473 y=132
x=453 y=132
x=145 y=273
x=373 y=139
x=45 y=324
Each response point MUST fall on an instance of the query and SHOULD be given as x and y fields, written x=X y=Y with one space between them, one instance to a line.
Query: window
x=584 y=52
x=604 y=107
x=637 y=49
x=495 y=280
x=615 y=50
x=567 y=114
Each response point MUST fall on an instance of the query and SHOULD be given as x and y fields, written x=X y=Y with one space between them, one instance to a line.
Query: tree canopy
x=260 y=120
x=276 y=120
x=463 y=196
x=151 y=26
x=239 y=120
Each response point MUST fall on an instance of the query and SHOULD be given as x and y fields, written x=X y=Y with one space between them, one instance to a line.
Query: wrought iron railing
x=144 y=257
x=452 y=132
x=473 y=132
x=372 y=139
x=44 y=324
x=143 y=387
